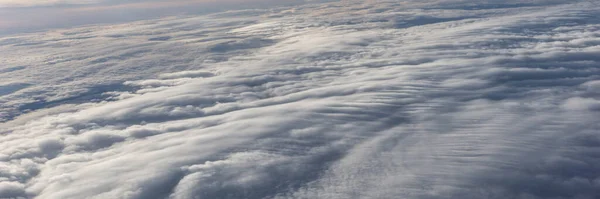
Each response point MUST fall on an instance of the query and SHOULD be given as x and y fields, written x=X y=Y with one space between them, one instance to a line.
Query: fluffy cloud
x=387 y=99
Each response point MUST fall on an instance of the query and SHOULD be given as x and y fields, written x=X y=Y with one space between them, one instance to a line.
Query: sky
x=18 y=16
x=437 y=99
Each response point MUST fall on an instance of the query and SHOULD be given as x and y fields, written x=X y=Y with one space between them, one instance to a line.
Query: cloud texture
x=386 y=99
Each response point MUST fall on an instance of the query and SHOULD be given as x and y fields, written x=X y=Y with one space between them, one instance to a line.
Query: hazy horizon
x=35 y=16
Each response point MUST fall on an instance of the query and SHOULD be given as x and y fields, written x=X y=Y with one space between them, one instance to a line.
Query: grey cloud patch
x=244 y=44
x=188 y=74
x=162 y=38
x=12 y=87
x=11 y=69
x=12 y=189
x=498 y=100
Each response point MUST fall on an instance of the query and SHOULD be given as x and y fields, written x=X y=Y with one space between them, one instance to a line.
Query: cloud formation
x=423 y=99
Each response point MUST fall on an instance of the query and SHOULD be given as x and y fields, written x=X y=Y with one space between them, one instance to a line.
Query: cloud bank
x=387 y=99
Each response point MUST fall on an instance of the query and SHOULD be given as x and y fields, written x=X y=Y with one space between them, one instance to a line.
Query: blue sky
x=18 y=16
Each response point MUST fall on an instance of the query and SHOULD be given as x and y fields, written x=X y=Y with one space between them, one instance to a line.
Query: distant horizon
x=21 y=18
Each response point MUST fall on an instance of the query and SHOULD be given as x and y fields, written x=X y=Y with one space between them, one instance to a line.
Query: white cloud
x=579 y=104
x=341 y=100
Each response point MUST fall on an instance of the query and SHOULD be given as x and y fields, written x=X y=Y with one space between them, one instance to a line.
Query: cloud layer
x=424 y=99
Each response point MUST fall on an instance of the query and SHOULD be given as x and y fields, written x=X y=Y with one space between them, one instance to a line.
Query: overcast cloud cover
x=354 y=99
